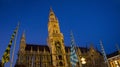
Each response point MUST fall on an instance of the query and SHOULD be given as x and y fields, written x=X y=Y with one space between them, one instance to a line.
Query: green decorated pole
x=11 y=62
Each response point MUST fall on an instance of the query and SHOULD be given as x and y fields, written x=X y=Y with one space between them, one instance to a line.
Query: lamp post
x=116 y=63
x=83 y=60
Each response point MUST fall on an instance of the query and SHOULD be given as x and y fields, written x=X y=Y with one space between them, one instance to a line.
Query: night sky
x=90 y=21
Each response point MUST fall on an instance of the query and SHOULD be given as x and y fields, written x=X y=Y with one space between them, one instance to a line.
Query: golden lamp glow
x=83 y=60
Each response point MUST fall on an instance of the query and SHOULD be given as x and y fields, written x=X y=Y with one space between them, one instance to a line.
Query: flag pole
x=11 y=62
x=74 y=54
x=76 y=49
x=104 y=54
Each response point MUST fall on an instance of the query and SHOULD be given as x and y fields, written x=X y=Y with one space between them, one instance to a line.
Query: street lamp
x=83 y=61
x=116 y=63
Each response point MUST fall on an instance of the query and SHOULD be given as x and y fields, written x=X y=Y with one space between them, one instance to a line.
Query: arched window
x=58 y=47
x=54 y=25
x=62 y=41
x=56 y=31
x=51 y=14
x=53 y=31
x=60 y=57
x=61 y=64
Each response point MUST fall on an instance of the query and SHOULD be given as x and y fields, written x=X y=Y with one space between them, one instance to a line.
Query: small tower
x=22 y=43
x=56 y=41
x=21 y=58
x=92 y=50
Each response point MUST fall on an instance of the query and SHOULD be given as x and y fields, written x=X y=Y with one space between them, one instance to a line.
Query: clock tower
x=56 y=42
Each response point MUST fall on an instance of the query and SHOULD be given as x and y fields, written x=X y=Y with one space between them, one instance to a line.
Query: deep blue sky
x=90 y=21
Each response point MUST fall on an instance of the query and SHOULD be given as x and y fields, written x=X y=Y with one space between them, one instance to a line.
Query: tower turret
x=21 y=57
x=22 y=42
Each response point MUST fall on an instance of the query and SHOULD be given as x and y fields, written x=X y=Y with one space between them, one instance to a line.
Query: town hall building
x=55 y=53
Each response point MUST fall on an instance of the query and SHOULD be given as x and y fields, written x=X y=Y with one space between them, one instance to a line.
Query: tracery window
x=61 y=64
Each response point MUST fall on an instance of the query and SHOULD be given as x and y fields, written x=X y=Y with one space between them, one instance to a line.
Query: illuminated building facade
x=55 y=53
x=114 y=59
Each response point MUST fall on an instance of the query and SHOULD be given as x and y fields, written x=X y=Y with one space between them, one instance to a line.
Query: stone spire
x=22 y=42
x=52 y=16
x=23 y=37
x=51 y=11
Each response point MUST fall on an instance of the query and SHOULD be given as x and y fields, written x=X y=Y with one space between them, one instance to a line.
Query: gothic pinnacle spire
x=51 y=12
x=23 y=34
x=52 y=16
x=51 y=9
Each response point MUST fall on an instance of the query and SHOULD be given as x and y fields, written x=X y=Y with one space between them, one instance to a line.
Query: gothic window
x=54 y=25
x=62 y=41
x=51 y=40
x=51 y=18
x=27 y=59
x=34 y=57
x=56 y=31
x=51 y=14
x=61 y=64
x=60 y=57
x=40 y=58
x=47 y=57
x=57 y=64
x=56 y=58
x=92 y=55
x=53 y=31
x=58 y=47
x=57 y=43
x=40 y=64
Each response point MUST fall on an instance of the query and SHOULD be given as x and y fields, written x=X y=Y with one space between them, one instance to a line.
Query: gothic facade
x=55 y=53
x=114 y=59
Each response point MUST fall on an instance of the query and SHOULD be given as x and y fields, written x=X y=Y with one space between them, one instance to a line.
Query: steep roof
x=113 y=54
x=35 y=47
x=83 y=49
